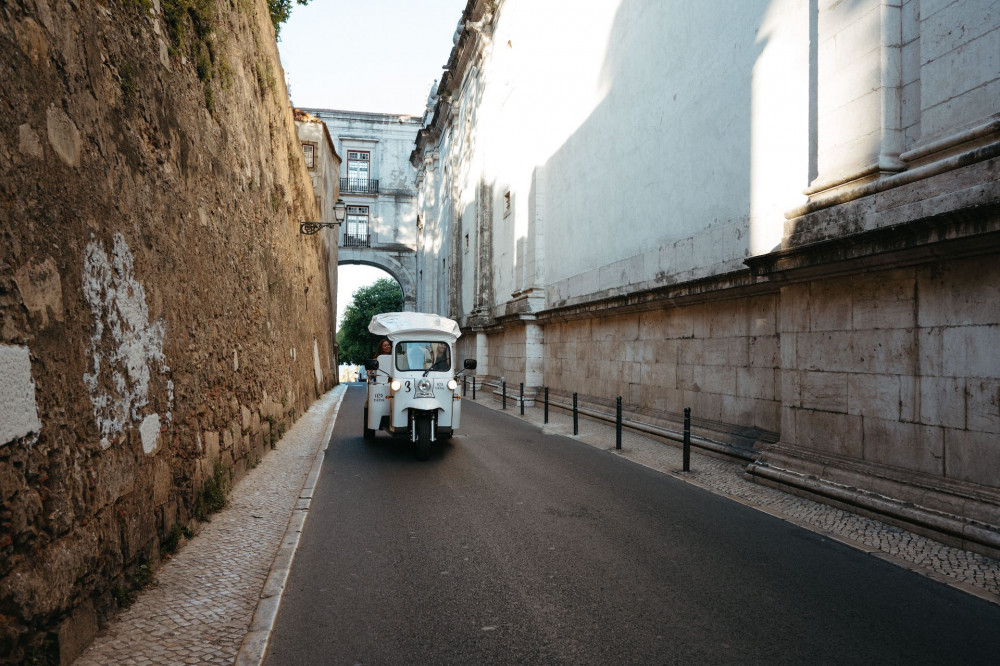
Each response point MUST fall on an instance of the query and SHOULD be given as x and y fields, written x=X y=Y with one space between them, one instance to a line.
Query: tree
x=356 y=343
x=280 y=11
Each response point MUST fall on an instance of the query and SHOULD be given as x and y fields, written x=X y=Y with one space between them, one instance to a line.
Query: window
x=466 y=243
x=506 y=203
x=423 y=355
x=357 y=227
x=309 y=152
x=358 y=168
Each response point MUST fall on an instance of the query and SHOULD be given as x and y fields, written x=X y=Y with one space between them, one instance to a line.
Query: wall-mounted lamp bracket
x=310 y=228
x=339 y=213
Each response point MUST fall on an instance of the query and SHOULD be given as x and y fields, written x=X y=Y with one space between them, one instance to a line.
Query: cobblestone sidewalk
x=962 y=569
x=204 y=598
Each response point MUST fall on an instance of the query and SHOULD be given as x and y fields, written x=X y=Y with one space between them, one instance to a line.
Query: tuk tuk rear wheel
x=368 y=433
x=422 y=424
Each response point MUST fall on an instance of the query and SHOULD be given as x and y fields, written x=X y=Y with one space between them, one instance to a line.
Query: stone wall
x=720 y=359
x=162 y=319
x=506 y=355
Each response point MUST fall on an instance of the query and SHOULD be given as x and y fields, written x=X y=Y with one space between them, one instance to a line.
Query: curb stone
x=254 y=646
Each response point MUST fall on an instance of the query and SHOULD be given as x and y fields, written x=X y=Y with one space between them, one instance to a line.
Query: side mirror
x=371 y=364
x=470 y=364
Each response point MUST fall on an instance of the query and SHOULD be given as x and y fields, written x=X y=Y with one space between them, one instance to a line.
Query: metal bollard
x=522 y=398
x=618 y=425
x=465 y=385
x=576 y=420
x=687 y=439
x=546 y=404
x=504 y=391
x=473 y=388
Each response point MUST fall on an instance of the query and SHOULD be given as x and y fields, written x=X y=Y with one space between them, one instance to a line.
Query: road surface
x=510 y=546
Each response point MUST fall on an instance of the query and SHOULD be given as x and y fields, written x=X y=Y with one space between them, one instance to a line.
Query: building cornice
x=475 y=27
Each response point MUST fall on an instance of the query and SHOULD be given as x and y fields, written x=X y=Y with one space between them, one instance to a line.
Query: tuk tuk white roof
x=394 y=324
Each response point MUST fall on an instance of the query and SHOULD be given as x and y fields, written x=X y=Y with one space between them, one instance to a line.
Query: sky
x=366 y=55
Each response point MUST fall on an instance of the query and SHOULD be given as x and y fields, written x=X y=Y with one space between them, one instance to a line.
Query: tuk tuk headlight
x=452 y=384
x=395 y=385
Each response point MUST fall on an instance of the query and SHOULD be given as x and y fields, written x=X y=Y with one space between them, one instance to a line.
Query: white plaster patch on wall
x=317 y=368
x=170 y=402
x=125 y=343
x=150 y=432
x=18 y=410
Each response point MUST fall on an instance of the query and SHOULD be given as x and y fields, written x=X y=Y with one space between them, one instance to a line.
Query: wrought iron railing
x=358 y=186
x=357 y=240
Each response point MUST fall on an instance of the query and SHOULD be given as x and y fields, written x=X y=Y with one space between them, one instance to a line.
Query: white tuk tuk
x=412 y=390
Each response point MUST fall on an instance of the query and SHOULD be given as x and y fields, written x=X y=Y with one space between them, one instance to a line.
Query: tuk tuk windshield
x=430 y=355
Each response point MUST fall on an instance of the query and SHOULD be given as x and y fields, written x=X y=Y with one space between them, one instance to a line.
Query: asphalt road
x=513 y=547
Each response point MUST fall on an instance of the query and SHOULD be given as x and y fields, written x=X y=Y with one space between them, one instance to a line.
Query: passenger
x=384 y=347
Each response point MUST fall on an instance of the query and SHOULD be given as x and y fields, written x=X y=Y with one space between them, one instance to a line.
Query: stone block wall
x=507 y=355
x=720 y=358
x=897 y=368
x=161 y=319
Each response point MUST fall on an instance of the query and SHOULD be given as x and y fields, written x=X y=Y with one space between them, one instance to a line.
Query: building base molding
x=959 y=514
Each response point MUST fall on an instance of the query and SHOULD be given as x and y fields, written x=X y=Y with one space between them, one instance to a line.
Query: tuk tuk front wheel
x=422 y=423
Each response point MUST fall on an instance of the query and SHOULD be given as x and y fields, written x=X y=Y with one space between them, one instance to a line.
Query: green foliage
x=124 y=592
x=169 y=545
x=141 y=4
x=124 y=597
x=181 y=15
x=213 y=495
x=265 y=77
x=190 y=24
x=144 y=574
x=280 y=11
x=128 y=84
x=356 y=343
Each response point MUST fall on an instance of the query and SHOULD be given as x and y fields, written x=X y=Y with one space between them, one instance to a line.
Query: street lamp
x=339 y=213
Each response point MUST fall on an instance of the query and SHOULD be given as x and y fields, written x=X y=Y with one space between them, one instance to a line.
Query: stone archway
x=391 y=265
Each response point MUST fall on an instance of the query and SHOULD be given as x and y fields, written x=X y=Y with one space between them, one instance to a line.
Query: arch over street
x=391 y=264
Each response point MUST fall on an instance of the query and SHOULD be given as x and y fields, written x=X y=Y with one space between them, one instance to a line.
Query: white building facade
x=785 y=219
x=377 y=185
x=323 y=165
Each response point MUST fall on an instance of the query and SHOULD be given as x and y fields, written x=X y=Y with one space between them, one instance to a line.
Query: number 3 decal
x=407 y=386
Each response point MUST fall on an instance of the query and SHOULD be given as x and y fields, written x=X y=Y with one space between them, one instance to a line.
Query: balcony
x=358 y=186
x=357 y=239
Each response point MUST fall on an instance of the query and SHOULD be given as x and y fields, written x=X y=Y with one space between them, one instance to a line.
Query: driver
x=441 y=361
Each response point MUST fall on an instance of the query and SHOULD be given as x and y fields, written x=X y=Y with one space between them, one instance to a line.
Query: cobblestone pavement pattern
x=202 y=604
x=204 y=598
x=963 y=569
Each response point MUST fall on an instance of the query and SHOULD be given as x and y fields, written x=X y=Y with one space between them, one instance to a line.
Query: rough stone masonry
x=161 y=320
